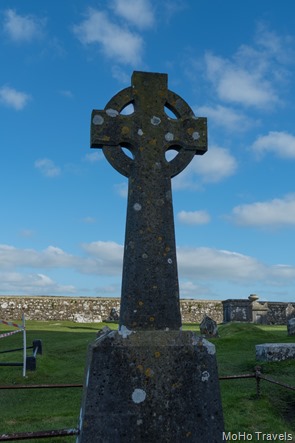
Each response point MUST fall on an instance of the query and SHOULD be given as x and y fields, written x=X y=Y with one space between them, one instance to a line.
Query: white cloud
x=254 y=73
x=108 y=256
x=226 y=117
x=116 y=41
x=36 y=284
x=276 y=212
x=197 y=267
x=122 y=189
x=27 y=233
x=47 y=167
x=236 y=84
x=193 y=217
x=212 y=167
x=281 y=143
x=13 y=98
x=93 y=157
x=22 y=28
x=138 y=12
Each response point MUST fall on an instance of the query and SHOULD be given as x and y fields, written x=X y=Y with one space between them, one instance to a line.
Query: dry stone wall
x=92 y=309
x=97 y=309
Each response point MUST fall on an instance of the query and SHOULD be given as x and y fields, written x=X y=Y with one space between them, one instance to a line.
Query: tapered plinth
x=151 y=386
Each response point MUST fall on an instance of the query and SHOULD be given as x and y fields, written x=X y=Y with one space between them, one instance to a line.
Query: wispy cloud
x=22 y=28
x=226 y=117
x=94 y=156
x=116 y=41
x=250 y=77
x=237 y=84
x=27 y=233
x=139 y=13
x=214 y=166
x=282 y=144
x=193 y=217
x=271 y=213
x=105 y=259
x=47 y=167
x=121 y=189
x=32 y=283
x=13 y=98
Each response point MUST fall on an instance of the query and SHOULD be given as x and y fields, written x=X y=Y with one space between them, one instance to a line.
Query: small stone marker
x=208 y=327
x=150 y=381
x=275 y=351
x=291 y=326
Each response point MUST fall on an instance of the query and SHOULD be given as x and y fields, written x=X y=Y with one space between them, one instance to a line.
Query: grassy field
x=63 y=361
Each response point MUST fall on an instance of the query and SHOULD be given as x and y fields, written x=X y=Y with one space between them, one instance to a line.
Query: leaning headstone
x=150 y=381
x=291 y=326
x=208 y=327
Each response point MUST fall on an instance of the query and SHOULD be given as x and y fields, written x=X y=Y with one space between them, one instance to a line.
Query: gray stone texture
x=250 y=310
x=150 y=290
x=291 y=326
x=208 y=327
x=151 y=386
x=95 y=309
x=275 y=351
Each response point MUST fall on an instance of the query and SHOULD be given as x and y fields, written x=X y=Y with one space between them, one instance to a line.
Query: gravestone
x=150 y=381
x=208 y=327
x=291 y=326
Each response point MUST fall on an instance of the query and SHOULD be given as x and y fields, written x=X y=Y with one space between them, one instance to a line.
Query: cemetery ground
x=63 y=361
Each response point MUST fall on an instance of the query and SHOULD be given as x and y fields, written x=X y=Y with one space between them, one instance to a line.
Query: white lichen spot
x=139 y=422
x=155 y=120
x=209 y=346
x=138 y=395
x=169 y=261
x=144 y=255
x=196 y=135
x=98 y=120
x=205 y=376
x=112 y=112
x=124 y=332
x=140 y=132
x=137 y=207
x=169 y=137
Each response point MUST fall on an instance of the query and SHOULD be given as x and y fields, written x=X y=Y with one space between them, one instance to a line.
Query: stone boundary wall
x=92 y=309
x=97 y=309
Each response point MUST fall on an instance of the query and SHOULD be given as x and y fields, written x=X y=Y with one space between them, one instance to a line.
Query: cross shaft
x=150 y=290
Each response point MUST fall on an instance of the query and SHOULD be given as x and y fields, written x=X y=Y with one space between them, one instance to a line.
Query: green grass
x=63 y=361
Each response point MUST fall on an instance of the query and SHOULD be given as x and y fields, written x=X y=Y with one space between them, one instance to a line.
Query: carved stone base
x=151 y=386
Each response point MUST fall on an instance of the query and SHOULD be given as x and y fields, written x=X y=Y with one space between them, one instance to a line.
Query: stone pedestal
x=151 y=386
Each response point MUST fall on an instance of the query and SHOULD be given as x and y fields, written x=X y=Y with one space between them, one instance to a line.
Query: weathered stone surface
x=151 y=386
x=114 y=315
x=92 y=309
x=208 y=327
x=291 y=326
x=275 y=351
x=150 y=290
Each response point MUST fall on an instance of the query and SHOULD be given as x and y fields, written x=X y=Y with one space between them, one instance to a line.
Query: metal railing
x=257 y=375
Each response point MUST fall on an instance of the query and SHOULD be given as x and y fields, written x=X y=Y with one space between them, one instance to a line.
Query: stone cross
x=150 y=290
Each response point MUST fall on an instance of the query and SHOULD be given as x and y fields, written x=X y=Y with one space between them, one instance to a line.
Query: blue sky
x=63 y=206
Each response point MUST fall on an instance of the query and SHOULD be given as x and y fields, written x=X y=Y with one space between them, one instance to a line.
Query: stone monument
x=150 y=381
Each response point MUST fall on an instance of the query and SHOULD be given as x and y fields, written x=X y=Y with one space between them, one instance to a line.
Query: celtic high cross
x=150 y=290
